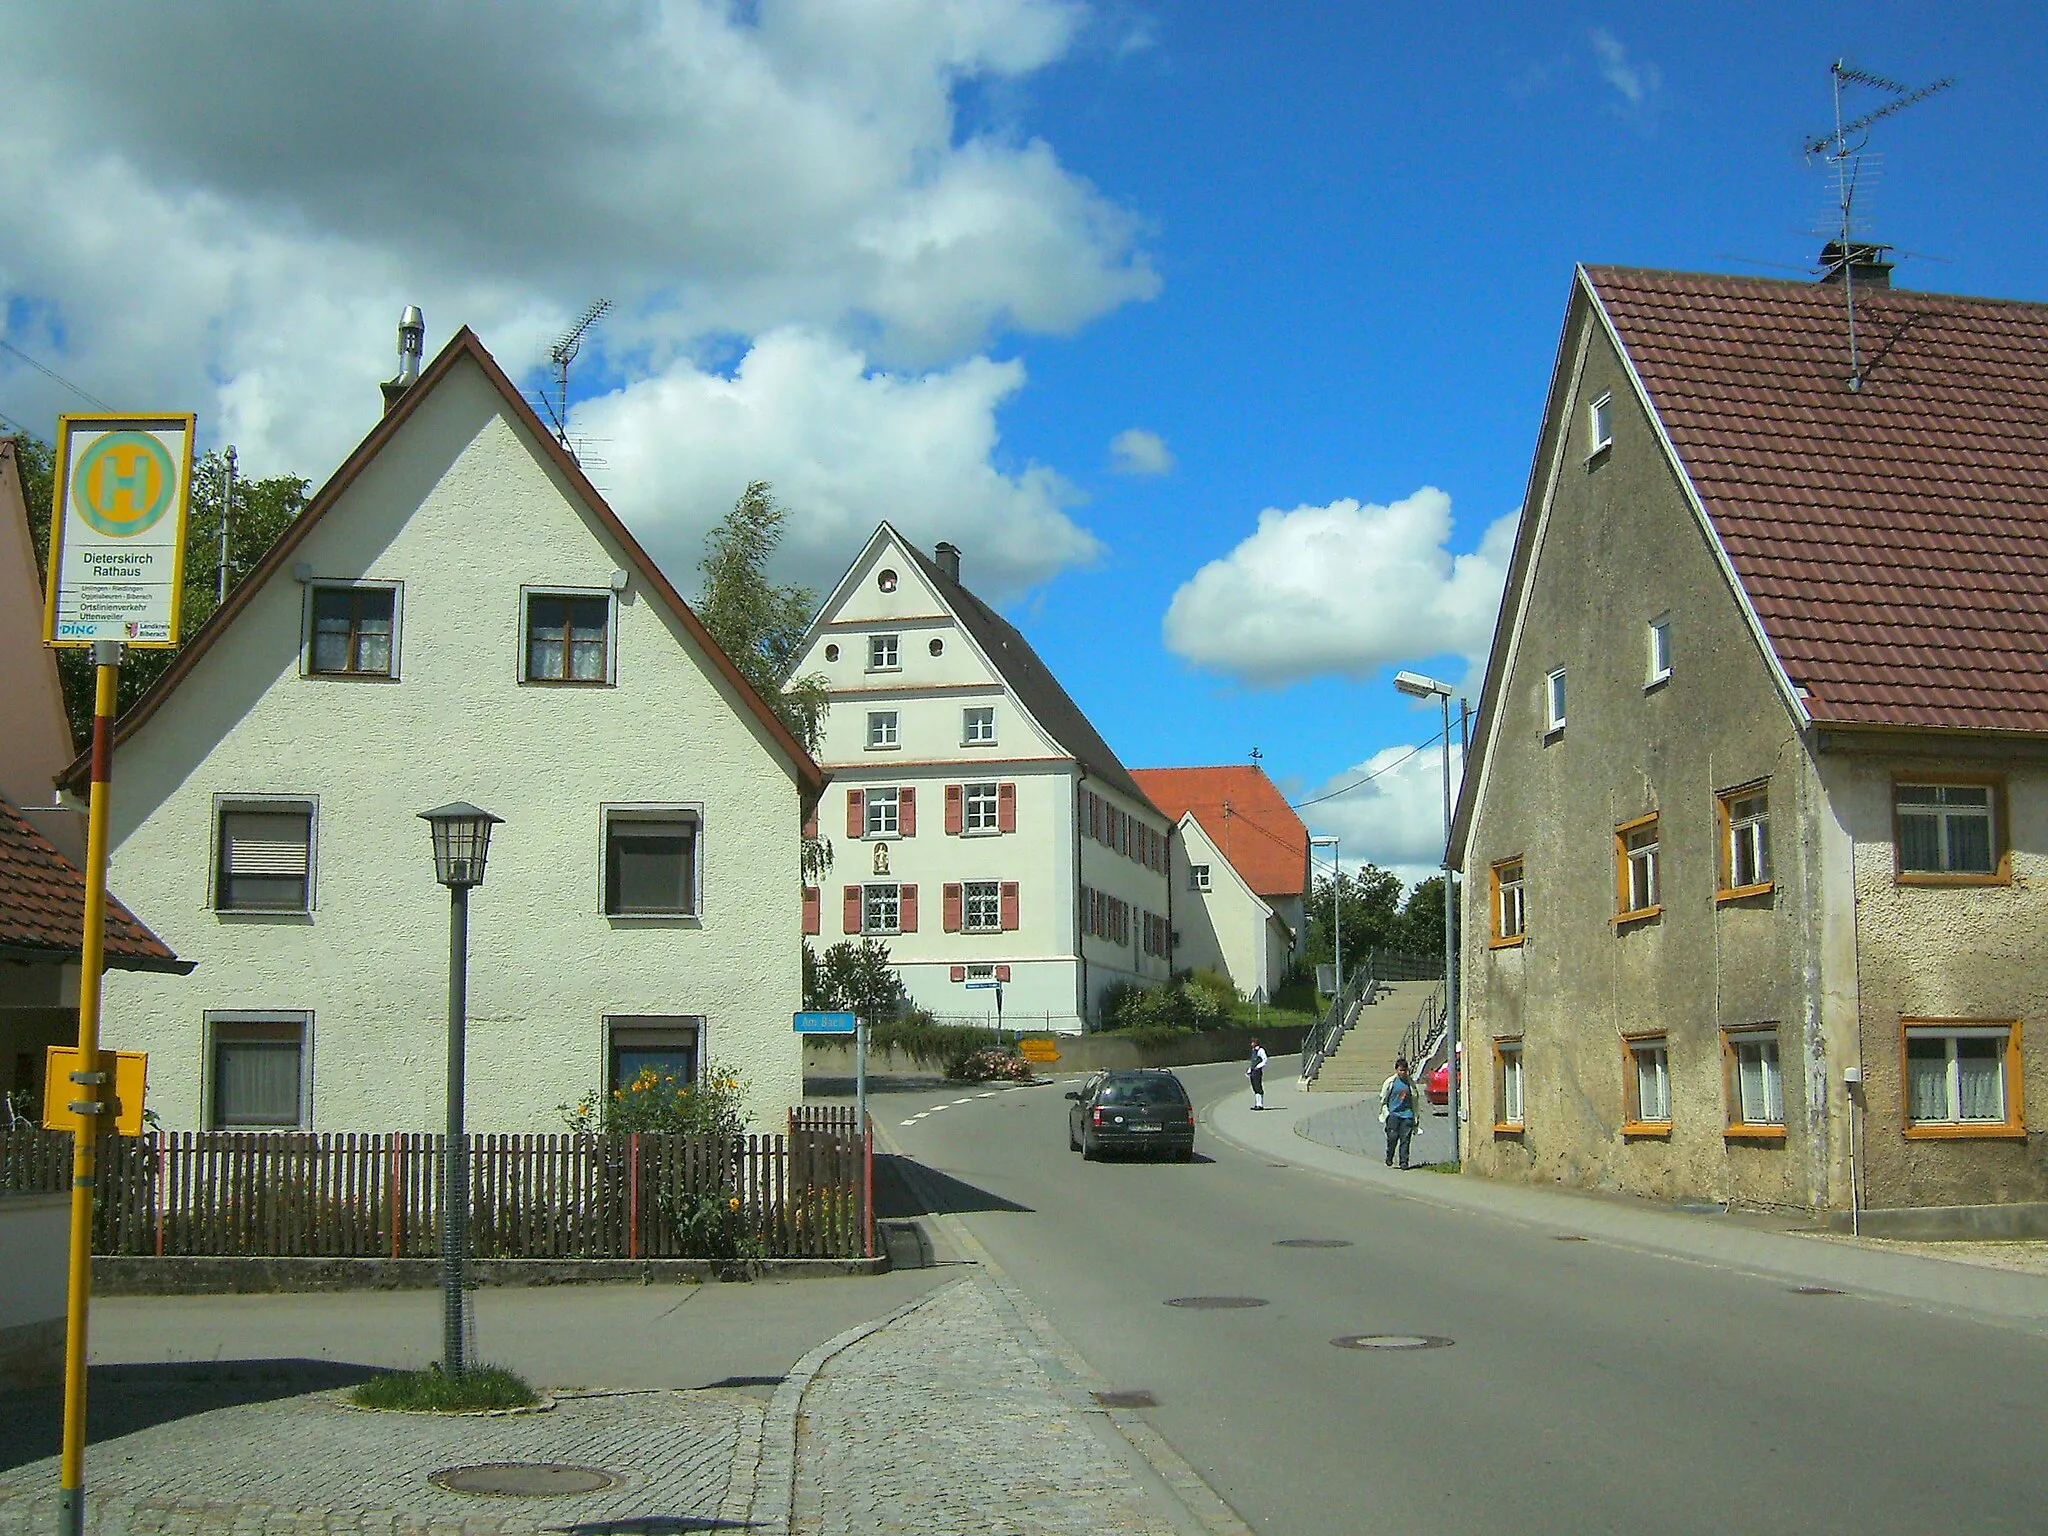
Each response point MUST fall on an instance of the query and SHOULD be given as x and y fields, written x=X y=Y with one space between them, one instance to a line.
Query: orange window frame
x=1503 y=1047
x=1738 y=1129
x=2012 y=1128
x=2001 y=842
x=1724 y=832
x=1633 y=1123
x=1623 y=912
x=1497 y=938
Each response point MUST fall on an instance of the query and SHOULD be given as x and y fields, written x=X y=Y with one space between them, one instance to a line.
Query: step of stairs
x=1365 y=1055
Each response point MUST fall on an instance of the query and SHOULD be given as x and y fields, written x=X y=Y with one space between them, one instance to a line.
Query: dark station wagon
x=1126 y=1111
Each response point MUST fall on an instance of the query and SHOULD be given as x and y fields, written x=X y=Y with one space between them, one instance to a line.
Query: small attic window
x=1600 y=424
x=886 y=581
x=831 y=653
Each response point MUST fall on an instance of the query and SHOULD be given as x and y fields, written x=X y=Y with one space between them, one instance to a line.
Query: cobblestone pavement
x=303 y=1464
x=943 y=1424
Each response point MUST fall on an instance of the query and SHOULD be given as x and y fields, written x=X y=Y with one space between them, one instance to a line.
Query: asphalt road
x=1588 y=1388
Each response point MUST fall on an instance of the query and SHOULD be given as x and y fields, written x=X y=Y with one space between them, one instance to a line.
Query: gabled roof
x=1892 y=540
x=42 y=908
x=1245 y=816
x=1027 y=676
x=465 y=344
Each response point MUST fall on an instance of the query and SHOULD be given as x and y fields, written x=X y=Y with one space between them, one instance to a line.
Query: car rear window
x=1144 y=1090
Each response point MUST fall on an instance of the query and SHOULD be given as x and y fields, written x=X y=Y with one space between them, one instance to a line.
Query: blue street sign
x=826 y=1024
x=982 y=986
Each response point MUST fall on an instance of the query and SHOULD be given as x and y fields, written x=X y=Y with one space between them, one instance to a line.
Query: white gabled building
x=981 y=826
x=457 y=615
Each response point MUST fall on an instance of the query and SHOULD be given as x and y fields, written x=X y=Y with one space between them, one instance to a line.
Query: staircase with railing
x=1426 y=1036
x=1328 y=1032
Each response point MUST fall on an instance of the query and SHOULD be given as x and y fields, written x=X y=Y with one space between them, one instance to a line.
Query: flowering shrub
x=713 y=1225
x=654 y=1101
x=995 y=1066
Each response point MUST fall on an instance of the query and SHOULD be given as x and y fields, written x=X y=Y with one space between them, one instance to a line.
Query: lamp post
x=1336 y=907
x=1417 y=686
x=462 y=841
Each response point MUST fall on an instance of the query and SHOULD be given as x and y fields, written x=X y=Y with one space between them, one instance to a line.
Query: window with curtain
x=664 y=1045
x=650 y=865
x=1641 y=887
x=1507 y=1108
x=1759 y=1086
x=263 y=858
x=568 y=638
x=352 y=631
x=1946 y=829
x=1650 y=1081
x=258 y=1071
x=984 y=906
x=1956 y=1074
x=881 y=909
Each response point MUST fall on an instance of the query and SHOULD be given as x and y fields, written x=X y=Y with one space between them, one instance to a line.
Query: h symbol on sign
x=135 y=482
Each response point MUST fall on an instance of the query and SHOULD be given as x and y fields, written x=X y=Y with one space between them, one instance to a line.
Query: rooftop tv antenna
x=1844 y=149
x=560 y=356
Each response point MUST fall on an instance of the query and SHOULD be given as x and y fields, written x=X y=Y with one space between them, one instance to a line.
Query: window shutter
x=266 y=843
x=1009 y=905
x=1002 y=973
x=849 y=917
x=956 y=811
x=856 y=817
x=814 y=918
x=1006 y=807
x=908 y=922
x=906 y=811
x=959 y=973
x=952 y=908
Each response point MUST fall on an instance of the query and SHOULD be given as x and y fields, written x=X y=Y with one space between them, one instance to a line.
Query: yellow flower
x=733 y=1203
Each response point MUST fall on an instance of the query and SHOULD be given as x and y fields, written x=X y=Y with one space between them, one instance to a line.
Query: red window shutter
x=1009 y=905
x=951 y=908
x=1002 y=972
x=811 y=823
x=856 y=817
x=908 y=924
x=956 y=811
x=849 y=916
x=1006 y=807
x=906 y=811
x=814 y=919
x=959 y=973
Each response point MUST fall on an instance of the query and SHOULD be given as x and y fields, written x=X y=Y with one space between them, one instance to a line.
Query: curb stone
x=1195 y=1505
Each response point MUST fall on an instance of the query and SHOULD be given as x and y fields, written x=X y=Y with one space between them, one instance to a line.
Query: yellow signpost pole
x=94 y=1085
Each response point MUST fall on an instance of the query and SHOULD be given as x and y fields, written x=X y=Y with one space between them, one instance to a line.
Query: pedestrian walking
x=1257 y=1073
x=1397 y=1111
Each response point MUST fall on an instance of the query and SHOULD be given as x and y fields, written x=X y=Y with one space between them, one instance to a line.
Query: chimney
x=947 y=558
x=1861 y=260
x=412 y=341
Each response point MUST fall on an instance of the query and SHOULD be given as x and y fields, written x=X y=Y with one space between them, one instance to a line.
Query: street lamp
x=1336 y=908
x=462 y=841
x=1417 y=686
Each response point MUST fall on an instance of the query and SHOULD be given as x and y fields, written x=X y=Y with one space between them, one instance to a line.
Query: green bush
x=945 y=1046
x=429 y=1391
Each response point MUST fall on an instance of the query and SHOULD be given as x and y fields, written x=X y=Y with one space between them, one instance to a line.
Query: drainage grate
x=529 y=1478
x=1392 y=1341
x=1313 y=1242
x=1125 y=1399
x=1815 y=1290
x=1216 y=1303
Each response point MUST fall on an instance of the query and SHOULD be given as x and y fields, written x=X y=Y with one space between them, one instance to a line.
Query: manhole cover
x=1313 y=1242
x=1126 y=1399
x=531 y=1478
x=1815 y=1290
x=1216 y=1303
x=1392 y=1341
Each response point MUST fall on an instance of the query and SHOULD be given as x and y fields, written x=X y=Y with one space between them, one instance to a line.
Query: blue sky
x=929 y=260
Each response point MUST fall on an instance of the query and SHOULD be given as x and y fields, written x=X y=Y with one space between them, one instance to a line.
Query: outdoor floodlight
x=462 y=841
x=1416 y=686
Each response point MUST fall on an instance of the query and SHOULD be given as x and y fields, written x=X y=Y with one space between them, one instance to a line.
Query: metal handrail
x=1328 y=1031
x=1427 y=1032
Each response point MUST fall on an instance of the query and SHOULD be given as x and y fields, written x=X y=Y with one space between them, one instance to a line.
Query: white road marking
x=968 y=1100
x=911 y=1121
x=989 y=1095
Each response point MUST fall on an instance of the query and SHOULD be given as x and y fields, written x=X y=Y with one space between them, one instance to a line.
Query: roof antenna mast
x=560 y=356
x=1846 y=157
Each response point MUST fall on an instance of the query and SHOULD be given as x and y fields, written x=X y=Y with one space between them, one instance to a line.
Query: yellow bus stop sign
x=124 y=1114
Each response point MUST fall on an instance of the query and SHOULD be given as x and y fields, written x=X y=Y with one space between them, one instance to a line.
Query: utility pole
x=227 y=515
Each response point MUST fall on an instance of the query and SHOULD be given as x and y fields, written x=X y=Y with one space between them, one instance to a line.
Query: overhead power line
x=51 y=373
x=1434 y=738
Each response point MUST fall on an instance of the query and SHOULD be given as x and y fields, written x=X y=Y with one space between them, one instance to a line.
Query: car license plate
x=1144 y=1127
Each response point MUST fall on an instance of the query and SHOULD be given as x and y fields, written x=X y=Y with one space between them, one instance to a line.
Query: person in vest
x=1257 y=1073
x=1397 y=1111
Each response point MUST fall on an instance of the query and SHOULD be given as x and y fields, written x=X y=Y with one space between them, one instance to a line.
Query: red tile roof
x=1244 y=814
x=1893 y=540
x=42 y=907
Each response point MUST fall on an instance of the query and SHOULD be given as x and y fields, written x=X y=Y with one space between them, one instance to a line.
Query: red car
x=1438 y=1088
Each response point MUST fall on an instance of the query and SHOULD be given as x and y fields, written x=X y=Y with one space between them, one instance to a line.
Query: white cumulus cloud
x=1639 y=84
x=845 y=447
x=1344 y=589
x=1394 y=817
x=1134 y=451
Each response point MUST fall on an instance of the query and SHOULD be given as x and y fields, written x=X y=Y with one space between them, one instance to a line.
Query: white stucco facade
x=462 y=508
x=1222 y=923
x=989 y=804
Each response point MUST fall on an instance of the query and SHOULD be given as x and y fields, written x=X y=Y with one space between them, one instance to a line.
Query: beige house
x=457 y=615
x=982 y=828
x=1240 y=872
x=1756 y=831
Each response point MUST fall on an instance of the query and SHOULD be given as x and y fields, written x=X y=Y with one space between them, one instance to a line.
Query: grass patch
x=1438 y=1167
x=429 y=1391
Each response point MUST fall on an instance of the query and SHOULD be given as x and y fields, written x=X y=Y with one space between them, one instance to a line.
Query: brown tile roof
x=1245 y=815
x=42 y=907
x=1893 y=541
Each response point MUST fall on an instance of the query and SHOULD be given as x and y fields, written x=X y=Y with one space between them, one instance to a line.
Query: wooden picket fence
x=806 y=1194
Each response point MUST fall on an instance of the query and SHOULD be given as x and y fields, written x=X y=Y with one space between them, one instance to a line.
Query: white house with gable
x=982 y=828
x=457 y=615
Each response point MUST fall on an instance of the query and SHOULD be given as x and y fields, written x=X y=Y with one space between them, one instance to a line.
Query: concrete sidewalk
x=1759 y=1244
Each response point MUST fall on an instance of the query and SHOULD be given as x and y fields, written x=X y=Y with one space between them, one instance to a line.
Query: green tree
x=1371 y=903
x=758 y=624
x=1422 y=919
x=263 y=509
x=857 y=977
